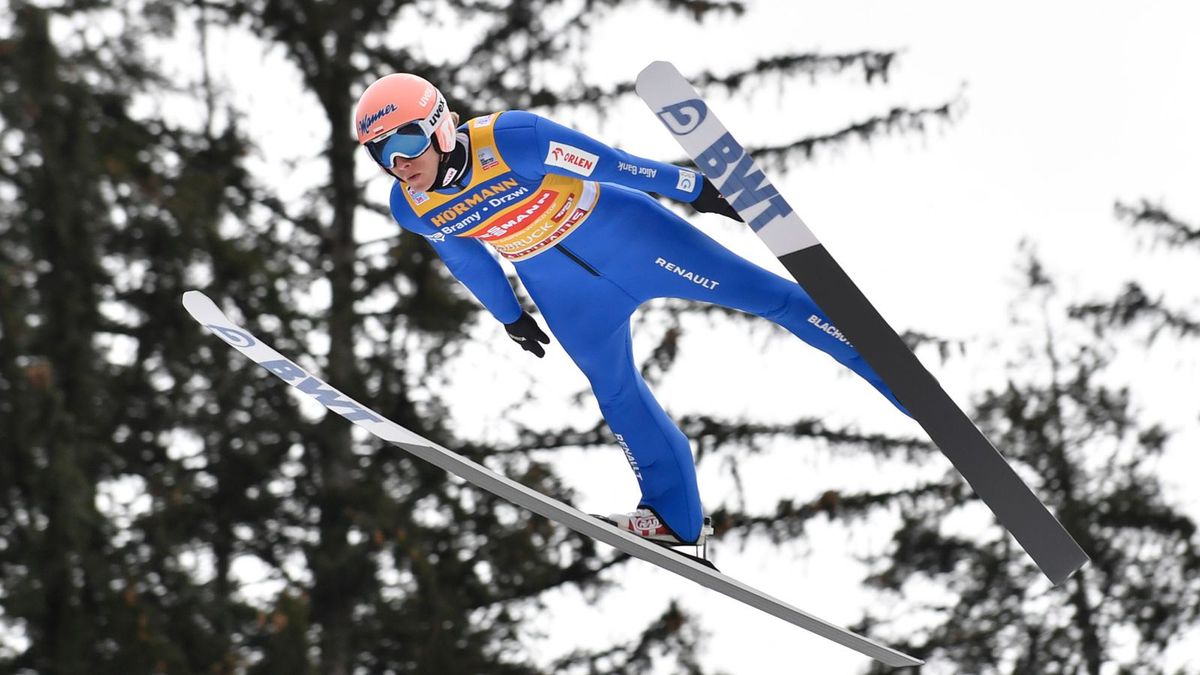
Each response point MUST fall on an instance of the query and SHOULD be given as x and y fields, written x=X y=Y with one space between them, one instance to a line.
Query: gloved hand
x=710 y=201
x=526 y=332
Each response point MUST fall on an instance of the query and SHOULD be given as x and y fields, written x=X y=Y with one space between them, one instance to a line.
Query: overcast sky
x=1067 y=107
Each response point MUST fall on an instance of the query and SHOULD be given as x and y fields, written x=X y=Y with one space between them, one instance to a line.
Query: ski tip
x=655 y=69
x=197 y=303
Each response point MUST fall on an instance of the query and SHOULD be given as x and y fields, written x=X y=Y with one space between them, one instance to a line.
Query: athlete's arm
x=468 y=260
x=534 y=145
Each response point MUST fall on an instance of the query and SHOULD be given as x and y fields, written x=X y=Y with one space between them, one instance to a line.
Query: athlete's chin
x=420 y=182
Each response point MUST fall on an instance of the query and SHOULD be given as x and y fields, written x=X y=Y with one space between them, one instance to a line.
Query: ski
x=206 y=312
x=723 y=160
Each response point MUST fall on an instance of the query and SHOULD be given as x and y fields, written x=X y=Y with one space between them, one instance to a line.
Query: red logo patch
x=521 y=216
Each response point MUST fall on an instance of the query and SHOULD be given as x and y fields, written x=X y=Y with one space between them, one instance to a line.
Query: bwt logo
x=682 y=118
x=326 y=395
x=365 y=124
x=745 y=186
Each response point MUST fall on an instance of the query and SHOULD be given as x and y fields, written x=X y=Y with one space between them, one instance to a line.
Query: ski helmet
x=398 y=115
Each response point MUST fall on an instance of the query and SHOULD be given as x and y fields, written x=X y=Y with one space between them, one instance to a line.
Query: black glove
x=710 y=201
x=525 y=332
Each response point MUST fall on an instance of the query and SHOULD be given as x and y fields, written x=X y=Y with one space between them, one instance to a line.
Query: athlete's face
x=417 y=173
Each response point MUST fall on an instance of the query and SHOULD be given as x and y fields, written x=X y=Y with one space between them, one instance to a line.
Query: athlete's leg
x=671 y=258
x=590 y=317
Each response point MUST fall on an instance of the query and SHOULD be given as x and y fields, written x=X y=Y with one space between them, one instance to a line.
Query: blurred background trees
x=167 y=508
x=1076 y=430
x=153 y=484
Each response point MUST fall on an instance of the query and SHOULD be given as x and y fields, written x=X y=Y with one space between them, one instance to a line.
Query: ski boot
x=646 y=524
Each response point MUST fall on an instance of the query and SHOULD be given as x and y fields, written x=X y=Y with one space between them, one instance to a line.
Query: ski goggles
x=408 y=142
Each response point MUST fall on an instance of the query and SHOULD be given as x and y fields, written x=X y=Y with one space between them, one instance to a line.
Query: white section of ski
x=668 y=94
x=211 y=317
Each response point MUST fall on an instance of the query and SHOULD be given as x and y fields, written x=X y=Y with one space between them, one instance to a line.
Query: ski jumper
x=590 y=246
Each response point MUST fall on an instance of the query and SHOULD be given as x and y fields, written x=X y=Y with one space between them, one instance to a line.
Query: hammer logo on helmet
x=364 y=125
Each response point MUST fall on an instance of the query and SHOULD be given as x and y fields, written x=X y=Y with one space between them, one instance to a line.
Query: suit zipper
x=579 y=261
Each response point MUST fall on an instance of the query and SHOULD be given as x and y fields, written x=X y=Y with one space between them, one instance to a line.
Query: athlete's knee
x=607 y=394
x=779 y=312
x=791 y=306
x=613 y=384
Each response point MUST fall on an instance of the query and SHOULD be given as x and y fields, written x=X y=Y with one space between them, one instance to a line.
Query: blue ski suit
x=590 y=246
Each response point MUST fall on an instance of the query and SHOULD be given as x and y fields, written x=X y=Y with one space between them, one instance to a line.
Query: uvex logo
x=364 y=125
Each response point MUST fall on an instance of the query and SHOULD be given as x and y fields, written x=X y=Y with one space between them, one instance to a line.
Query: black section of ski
x=984 y=468
x=579 y=261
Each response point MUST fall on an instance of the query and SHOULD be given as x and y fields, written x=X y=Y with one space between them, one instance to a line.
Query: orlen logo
x=364 y=125
x=682 y=118
x=571 y=158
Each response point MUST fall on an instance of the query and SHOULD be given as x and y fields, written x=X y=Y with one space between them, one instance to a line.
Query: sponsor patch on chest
x=418 y=197
x=487 y=157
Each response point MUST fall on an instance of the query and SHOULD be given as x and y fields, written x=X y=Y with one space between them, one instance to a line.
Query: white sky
x=1070 y=106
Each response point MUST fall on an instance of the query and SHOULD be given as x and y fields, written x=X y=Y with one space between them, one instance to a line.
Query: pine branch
x=789 y=520
x=714 y=435
x=582 y=573
x=1159 y=221
x=1132 y=307
x=874 y=65
x=896 y=120
x=674 y=633
x=946 y=348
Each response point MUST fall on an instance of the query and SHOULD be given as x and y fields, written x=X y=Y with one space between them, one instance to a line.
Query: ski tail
x=725 y=162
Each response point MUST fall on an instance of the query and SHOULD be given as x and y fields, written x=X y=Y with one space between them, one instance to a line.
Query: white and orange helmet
x=398 y=115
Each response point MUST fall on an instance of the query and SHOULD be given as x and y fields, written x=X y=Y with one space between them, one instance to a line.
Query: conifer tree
x=110 y=394
x=1078 y=438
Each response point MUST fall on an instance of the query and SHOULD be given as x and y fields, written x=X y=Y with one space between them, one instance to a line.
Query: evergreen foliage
x=167 y=508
